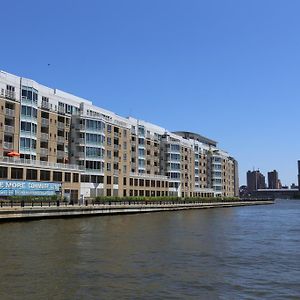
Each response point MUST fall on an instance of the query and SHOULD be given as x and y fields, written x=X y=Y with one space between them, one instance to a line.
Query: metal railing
x=44 y=151
x=30 y=162
x=9 y=112
x=8 y=145
x=44 y=136
x=61 y=153
x=45 y=122
x=149 y=176
x=10 y=95
x=9 y=129
x=45 y=105
x=115 y=201
x=60 y=139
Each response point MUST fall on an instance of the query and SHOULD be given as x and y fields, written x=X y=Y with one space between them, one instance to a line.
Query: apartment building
x=55 y=137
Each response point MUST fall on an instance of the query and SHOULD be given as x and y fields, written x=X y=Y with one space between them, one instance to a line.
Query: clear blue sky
x=229 y=70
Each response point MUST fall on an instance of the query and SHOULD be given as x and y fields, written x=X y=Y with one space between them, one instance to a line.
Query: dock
x=26 y=213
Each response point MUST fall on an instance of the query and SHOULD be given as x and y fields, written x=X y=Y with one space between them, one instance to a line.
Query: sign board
x=28 y=188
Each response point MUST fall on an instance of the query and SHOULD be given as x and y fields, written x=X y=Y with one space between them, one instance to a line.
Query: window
x=108 y=179
x=31 y=174
x=45 y=175
x=67 y=177
x=75 y=177
x=16 y=173
x=116 y=180
x=3 y=172
x=57 y=176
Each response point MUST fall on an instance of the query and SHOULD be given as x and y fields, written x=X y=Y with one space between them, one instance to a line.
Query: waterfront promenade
x=22 y=212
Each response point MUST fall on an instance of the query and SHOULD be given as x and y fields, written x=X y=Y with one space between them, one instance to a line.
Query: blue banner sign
x=28 y=188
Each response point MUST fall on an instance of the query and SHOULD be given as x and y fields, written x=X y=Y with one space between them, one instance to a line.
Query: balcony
x=61 y=110
x=44 y=136
x=61 y=154
x=80 y=155
x=60 y=139
x=29 y=102
x=61 y=125
x=9 y=112
x=10 y=95
x=80 y=141
x=9 y=129
x=45 y=105
x=21 y=161
x=45 y=122
x=8 y=146
x=44 y=152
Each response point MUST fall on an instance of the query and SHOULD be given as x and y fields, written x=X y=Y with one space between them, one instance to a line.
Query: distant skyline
x=229 y=70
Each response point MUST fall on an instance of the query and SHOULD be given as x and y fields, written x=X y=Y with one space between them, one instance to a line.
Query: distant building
x=294 y=186
x=273 y=181
x=255 y=181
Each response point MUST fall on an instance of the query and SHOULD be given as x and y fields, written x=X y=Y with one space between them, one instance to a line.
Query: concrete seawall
x=32 y=213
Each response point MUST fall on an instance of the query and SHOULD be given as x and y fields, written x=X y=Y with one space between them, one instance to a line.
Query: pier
x=28 y=212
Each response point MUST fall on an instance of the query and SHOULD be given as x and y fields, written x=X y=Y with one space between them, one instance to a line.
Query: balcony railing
x=61 y=153
x=9 y=129
x=29 y=102
x=45 y=105
x=61 y=125
x=44 y=136
x=80 y=141
x=38 y=163
x=60 y=139
x=9 y=112
x=10 y=95
x=149 y=176
x=61 y=110
x=44 y=151
x=80 y=155
x=8 y=146
x=45 y=122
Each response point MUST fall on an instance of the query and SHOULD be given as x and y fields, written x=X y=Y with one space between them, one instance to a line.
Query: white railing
x=23 y=161
x=45 y=121
x=9 y=112
x=60 y=153
x=44 y=151
x=60 y=139
x=9 y=129
x=149 y=176
x=61 y=125
x=44 y=136
x=8 y=145
x=10 y=94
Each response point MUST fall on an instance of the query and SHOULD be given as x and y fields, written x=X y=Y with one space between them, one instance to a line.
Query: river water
x=225 y=253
